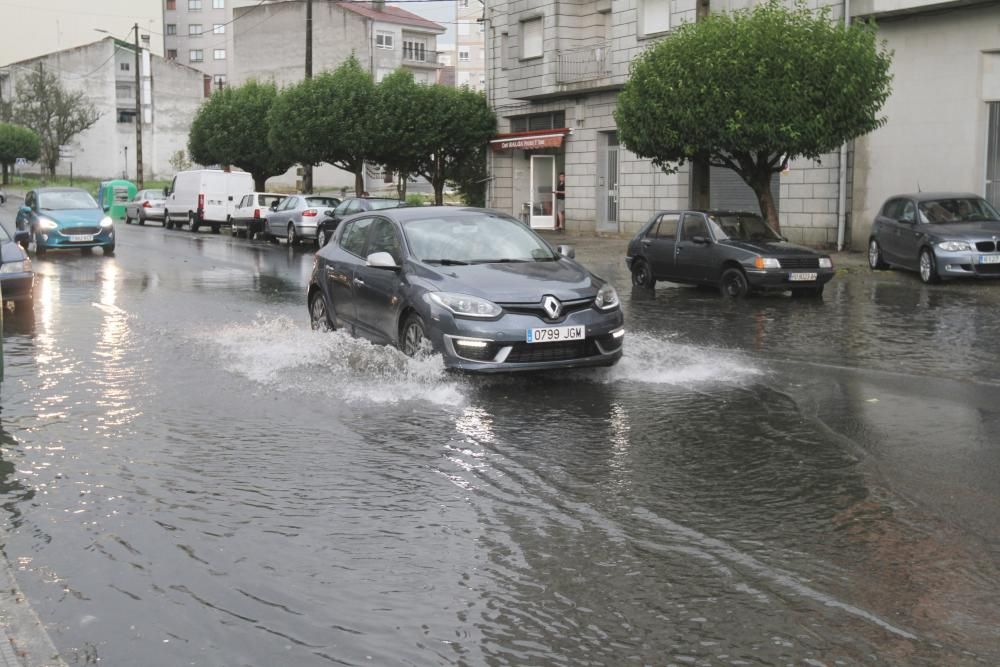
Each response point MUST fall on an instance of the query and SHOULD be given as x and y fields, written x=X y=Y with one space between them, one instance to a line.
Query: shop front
x=538 y=157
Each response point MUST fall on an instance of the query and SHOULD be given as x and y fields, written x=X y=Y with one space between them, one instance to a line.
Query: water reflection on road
x=195 y=477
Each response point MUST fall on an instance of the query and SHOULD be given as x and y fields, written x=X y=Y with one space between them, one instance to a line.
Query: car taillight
x=256 y=214
x=146 y=204
x=201 y=201
x=309 y=213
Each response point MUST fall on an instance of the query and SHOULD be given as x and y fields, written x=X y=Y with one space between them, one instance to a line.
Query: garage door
x=728 y=191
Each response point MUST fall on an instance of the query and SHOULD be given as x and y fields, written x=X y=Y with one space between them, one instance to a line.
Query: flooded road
x=190 y=476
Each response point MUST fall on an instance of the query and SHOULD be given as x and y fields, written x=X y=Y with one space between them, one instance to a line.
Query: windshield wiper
x=446 y=262
x=504 y=260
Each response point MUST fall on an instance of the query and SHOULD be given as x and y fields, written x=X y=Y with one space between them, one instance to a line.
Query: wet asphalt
x=190 y=476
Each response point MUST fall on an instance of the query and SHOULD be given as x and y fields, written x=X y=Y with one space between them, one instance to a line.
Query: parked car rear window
x=65 y=201
x=379 y=204
x=958 y=209
x=267 y=200
x=322 y=201
x=743 y=228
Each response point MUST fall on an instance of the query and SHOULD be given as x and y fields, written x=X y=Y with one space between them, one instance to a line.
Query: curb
x=28 y=643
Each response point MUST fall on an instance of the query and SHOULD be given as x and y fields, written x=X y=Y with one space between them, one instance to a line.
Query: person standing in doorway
x=561 y=202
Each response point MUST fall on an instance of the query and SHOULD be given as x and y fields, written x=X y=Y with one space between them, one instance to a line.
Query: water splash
x=654 y=360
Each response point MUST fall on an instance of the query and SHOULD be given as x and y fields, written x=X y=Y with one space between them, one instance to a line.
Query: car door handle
x=359 y=281
x=646 y=242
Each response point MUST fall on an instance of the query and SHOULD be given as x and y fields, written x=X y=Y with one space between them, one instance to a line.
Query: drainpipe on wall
x=842 y=182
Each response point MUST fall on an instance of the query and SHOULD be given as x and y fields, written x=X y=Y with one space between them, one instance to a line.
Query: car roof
x=928 y=196
x=709 y=211
x=54 y=189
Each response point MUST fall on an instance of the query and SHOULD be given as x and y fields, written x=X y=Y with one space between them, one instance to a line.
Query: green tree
x=328 y=119
x=398 y=114
x=750 y=90
x=457 y=125
x=231 y=128
x=15 y=142
x=55 y=114
x=471 y=179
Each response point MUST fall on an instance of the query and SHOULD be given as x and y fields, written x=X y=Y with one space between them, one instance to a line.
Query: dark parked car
x=736 y=251
x=16 y=276
x=350 y=206
x=940 y=235
x=484 y=291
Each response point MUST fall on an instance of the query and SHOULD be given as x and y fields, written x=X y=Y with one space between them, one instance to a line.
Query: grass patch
x=91 y=185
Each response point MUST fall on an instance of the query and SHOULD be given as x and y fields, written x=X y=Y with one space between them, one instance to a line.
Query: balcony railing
x=412 y=56
x=582 y=64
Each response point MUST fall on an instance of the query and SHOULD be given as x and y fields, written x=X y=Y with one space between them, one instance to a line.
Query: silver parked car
x=146 y=205
x=297 y=217
x=939 y=235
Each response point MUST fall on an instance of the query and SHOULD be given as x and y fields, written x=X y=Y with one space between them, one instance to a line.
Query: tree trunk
x=260 y=183
x=401 y=179
x=761 y=184
x=359 y=180
x=6 y=176
x=438 y=191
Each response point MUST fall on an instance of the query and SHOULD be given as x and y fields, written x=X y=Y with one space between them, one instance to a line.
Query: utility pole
x=307 y=170
x=138 y=111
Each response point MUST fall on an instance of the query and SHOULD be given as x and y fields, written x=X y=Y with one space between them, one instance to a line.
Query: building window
x=219 y=29
x=124 y=67
x=219 y=54
x=463 y=55
x=171 y=54
x=171 y=28
x=531 y=38
x=413 y=50
x=126 y=115
x=654 y=16
x=504 y=49
x=171 y=4
x=196 y=55
x=123 y=91
x=194 y=5
x=219 y=81
x=218 y=4
x=993 y=154
x=194 y=30
x=549 y=120
x=383 y=40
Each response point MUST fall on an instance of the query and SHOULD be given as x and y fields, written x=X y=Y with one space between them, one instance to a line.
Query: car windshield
x=322 y=201
x=957 y=209
x=379 y=204
x=65 y=200
x=743 y=227
x=474 y=238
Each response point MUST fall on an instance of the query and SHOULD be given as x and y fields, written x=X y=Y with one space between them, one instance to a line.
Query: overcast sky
x=30 y=28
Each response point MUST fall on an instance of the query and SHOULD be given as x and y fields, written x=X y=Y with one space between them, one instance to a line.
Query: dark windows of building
x=413 y=50
x=196 y=55
x=171 y=4
x=171 y=54
x=549 y=120
x=993 y=156
x=171 y=28
x=383 y=40
x=124 y=67
x=126 y=115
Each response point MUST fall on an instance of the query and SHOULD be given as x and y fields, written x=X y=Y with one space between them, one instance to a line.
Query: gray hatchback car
x=481 y=289
x=938 y=234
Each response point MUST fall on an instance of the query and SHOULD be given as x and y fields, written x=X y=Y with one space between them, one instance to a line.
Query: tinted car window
x=379 y=204
x=892 y=208
x=694 y=225
x=384 y=239
x=355 y=235
x=342 y=207
x=743 y=228
x=667 y=227
x=909 y=213
x=355 y=206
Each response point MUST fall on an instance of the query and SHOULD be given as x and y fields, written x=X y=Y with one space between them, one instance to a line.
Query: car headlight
x=825 y=263
x=767 y=263
x=47 y=224
x=607 y=297
x=954 y=246
x=16 y=267
x=107 y=222
x=464 y=305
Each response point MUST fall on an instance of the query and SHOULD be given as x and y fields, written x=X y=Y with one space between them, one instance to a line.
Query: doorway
x=543 y=180
x=607 y=183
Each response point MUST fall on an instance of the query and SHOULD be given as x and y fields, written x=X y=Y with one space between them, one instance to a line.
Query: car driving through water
x=479 y=288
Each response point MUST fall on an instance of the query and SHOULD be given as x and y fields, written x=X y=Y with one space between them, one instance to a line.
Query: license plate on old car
x=555 y=334
x=989 y=259
x=801 y=277
x=81 y=237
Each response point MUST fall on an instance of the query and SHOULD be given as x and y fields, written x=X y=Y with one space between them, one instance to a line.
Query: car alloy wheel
x=928 y=267
x=642 y=275
x=414 y=336
x=319 y=318
x=875 y=260
x=734 y=284
x=292 y=238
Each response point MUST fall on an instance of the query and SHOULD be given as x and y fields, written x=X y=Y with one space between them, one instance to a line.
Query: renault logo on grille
x=552 y=307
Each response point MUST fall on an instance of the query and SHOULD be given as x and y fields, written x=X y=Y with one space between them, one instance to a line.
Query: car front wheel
x=414 y=340
x=642 y=274
x=875 y=260
x=734 y=284
x=928 y=267
x=319 y=316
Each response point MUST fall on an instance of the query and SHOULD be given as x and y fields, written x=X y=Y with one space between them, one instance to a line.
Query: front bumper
x=966 y=264
x=17 y=286
x=501 y=347
x=59 y=238
x=780 y=279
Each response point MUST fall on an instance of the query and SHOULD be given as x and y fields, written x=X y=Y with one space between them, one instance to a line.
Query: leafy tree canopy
x=17 y=142
x=398 y=113
x=749 y=90
x=231 y=129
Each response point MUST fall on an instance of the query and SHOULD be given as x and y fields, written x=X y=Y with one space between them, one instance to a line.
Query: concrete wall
x=935 y=137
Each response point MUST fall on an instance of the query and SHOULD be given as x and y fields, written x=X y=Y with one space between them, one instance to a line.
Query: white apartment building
x=470 y=45
x=104 y=72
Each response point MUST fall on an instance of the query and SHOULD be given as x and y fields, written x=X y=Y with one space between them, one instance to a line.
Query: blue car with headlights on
x=64 y=218
x=477 y=287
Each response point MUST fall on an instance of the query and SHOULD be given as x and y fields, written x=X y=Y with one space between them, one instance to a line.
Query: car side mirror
x=22 y=236
x=701 y=240
x=25 y=209
x=274 y=206
x=106 y=208
x=566 y=251
x=328 y=213
x=381 y=260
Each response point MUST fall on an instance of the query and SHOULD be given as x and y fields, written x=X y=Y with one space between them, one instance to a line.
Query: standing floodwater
x=191 y=476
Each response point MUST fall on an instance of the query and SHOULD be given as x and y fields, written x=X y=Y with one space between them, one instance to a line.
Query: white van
x=204 y=197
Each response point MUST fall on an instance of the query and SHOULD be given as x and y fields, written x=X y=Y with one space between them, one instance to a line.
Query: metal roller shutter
x=728 y=191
